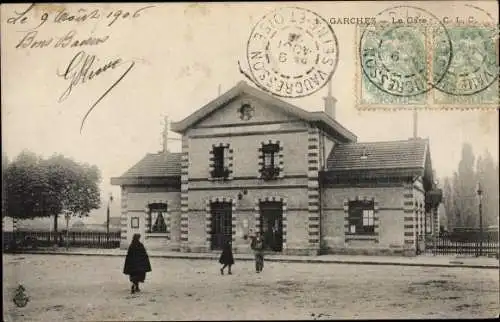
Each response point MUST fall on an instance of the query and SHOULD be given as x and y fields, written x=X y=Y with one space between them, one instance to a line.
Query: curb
x=270 y=259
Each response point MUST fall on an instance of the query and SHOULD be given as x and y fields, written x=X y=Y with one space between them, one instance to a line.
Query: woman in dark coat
x=226 y=258
x=136 y=263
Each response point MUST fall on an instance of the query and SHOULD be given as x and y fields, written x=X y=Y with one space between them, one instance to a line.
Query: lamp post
x=107 y=217
x=480 y=195
x=67 y=216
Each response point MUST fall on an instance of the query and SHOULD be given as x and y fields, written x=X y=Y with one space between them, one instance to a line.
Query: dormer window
x=220 y=161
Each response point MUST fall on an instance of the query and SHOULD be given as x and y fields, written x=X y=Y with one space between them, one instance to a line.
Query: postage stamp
x=472 y=77
x=395 y=58
x=292 y=52
x=412 y=58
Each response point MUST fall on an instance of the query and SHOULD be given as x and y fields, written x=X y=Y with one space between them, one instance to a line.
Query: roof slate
x=390 y=155
x=379 y=155
x=156 y=165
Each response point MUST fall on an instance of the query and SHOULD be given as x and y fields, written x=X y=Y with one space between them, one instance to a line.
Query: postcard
x=250 y=160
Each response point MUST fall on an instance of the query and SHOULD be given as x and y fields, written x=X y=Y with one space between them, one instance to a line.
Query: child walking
x=226 y=258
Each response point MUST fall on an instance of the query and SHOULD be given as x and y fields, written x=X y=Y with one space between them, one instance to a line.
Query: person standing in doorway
x=274 y=240
x=257 y=246
x=136 y=263
x=226 y=258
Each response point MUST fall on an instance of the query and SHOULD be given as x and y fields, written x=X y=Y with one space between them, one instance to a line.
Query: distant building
x=78 y=224
x=252 y=162
x=114 y=222
x=47 y=224
x=37 y=224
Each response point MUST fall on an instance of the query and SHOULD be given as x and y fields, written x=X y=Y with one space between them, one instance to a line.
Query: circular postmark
x=474 y=66
x=395 y=52
x=292 y=52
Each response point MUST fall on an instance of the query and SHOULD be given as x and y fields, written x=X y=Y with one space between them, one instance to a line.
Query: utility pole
x=415 y=123
x=67 y=216
x=165 y=137
x=107 y=217
x=480 y=195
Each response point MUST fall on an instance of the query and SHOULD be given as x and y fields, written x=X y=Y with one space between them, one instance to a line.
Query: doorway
x=222 y=224
x=271 y=214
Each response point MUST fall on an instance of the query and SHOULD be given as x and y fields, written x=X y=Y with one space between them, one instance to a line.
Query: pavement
x=421 y=260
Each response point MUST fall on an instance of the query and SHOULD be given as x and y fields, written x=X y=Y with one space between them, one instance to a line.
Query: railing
x=443 y=245
x=35 y=239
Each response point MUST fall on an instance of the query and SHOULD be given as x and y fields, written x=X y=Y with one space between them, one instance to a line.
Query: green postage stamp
x=414 y=58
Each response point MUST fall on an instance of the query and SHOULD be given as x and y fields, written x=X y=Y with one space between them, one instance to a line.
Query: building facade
x=253 y=163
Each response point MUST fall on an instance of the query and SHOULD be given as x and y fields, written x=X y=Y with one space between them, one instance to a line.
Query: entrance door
x=222 y=225
x=272 y=225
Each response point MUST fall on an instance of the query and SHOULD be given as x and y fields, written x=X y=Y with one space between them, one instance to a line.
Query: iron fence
x=39 y=239
x=443 y=245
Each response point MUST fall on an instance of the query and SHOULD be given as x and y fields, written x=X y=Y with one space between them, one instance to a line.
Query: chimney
x=165 y=135
x=330 y=102
x=415 y=124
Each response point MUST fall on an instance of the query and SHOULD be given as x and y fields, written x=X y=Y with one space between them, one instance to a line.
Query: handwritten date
x=81 y=15
x=84 y=68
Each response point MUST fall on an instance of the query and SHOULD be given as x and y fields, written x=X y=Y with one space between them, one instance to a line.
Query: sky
x=182 y=55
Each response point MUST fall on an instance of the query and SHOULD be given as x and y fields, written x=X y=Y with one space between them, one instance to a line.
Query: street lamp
x=480 y=195
x=67 y=216
x=107 y=216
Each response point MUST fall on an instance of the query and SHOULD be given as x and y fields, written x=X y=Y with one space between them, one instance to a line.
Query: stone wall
x=391 y=235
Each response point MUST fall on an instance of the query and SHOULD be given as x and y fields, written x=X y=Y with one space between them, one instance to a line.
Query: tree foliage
x=26 y=187
x=448 y=199
x=465 y=189
x=73 y=186
x=461 y=200
x=37 y=187
x=487 y=175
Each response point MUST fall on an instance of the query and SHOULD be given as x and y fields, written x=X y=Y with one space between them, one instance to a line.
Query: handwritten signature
x=82 y=68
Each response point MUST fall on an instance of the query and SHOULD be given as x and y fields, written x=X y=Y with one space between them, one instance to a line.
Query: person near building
x=257 y=246
x=226 y=258
x=136 y=263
